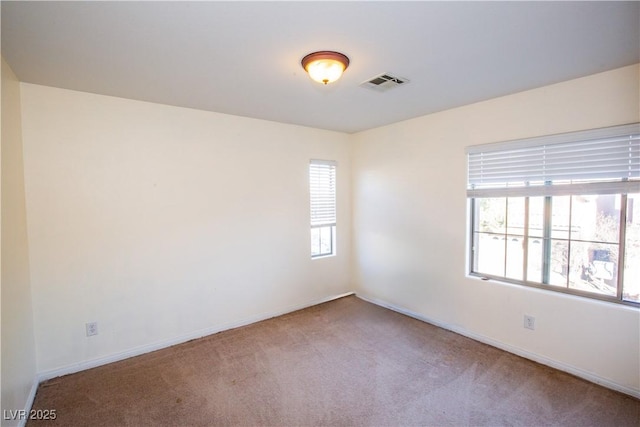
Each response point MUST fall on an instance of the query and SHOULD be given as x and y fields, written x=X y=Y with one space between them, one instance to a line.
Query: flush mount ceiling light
x=325 y=66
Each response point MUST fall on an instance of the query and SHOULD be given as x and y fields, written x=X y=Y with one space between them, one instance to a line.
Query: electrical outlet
x=529 y=322
x=92 y=328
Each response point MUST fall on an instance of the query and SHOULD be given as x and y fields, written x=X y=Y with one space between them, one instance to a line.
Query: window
x=322 y=188
x=559 y=212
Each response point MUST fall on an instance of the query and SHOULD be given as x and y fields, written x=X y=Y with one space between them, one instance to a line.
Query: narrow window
x=559 y=212
x=322 y=189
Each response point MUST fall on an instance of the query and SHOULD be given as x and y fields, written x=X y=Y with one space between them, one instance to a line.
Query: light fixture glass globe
x=325 y=66
x=325 y=70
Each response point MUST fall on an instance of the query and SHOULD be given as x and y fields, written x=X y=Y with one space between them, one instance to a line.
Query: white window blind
x=607 y=160
x=322 y=184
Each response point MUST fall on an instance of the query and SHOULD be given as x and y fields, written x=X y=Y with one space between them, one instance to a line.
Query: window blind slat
x=600 y=155
x=322 y=184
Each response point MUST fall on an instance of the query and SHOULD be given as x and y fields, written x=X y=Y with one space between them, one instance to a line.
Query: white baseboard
x=30 y=398
x=137 y=351
x=511 y=349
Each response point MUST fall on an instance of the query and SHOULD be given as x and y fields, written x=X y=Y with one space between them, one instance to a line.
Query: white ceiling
x=243 y=58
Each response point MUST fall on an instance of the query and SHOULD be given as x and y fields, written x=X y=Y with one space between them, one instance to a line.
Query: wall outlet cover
x=529 y=322
x=92 y=328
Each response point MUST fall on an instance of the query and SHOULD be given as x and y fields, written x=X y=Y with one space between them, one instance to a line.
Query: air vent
x=384 y=82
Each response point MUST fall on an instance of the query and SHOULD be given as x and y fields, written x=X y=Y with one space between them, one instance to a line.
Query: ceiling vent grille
x=384 y=82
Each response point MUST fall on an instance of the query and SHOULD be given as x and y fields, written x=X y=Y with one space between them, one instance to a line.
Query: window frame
x=323 y=204
x=622 y=187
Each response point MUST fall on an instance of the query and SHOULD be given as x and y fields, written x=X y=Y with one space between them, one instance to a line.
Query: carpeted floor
x=343 y=363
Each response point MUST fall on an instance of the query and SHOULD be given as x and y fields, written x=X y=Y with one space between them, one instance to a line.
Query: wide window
x=559 y=212
x=322 y=189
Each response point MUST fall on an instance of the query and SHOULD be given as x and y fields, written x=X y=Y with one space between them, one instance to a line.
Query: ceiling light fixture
x=325 y=66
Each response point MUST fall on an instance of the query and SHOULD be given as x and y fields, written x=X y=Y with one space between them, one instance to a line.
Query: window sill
x=323 y=256
x=559 y=292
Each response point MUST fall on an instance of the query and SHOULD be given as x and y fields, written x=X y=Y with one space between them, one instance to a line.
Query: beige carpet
x=343 y=363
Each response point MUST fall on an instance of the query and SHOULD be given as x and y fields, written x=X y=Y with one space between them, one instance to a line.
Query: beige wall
x=18 y=347
x=160 y=222
x=410 y=223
